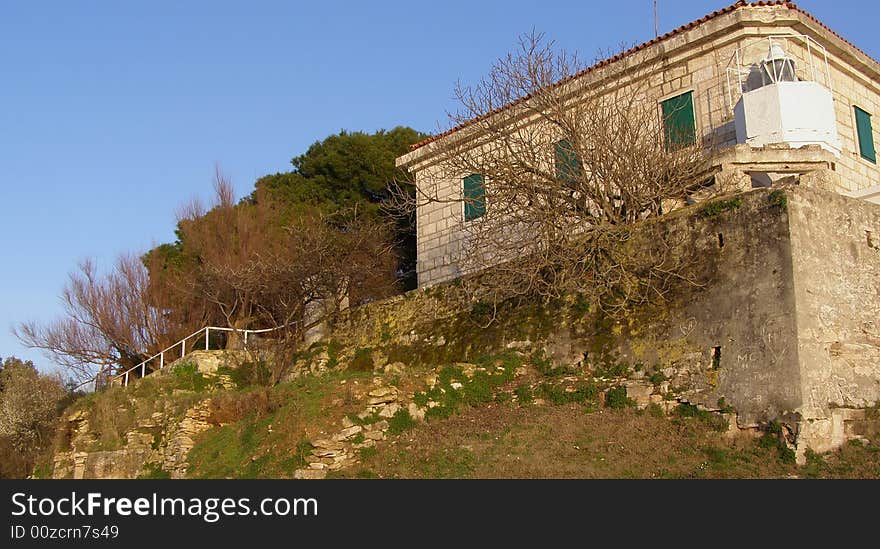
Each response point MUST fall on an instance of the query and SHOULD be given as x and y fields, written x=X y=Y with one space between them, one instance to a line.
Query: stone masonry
x=693 y=58
x=784 y=326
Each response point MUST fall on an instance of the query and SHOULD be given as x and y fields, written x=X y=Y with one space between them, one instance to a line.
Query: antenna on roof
x=656 y=25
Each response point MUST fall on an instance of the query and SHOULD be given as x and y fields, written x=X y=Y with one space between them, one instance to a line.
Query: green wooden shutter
x=678 y=121
x=866 y=135
x=568 y=165
x=474 y=197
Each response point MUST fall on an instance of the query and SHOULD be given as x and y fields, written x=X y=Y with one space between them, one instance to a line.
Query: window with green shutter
x=474 y=197
x=866 y=135
x=568 y=165
x=679 y=125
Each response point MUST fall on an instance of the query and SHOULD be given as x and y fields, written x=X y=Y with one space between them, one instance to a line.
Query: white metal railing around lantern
x=811 y=62
x=124 y=376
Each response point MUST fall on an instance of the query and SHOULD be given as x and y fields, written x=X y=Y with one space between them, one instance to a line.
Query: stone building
x=776 y=92
x=788 y=330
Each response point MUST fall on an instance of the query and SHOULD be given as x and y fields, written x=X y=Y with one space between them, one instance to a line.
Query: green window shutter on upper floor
x=474 y=197
x=866 y=135
x=568 y=165
x=679 y=125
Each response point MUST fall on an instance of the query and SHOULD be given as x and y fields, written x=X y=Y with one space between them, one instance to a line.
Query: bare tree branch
x=570 y=165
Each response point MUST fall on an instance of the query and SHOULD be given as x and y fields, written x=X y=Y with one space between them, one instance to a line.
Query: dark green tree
x=350 y=171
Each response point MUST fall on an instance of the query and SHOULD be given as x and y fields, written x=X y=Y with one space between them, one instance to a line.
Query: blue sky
x=114 y=113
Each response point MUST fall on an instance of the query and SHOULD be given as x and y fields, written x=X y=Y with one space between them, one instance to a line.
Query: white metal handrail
x=182 y=344
x=810 y=55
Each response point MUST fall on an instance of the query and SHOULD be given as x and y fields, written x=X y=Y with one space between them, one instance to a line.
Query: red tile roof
x=670 y=34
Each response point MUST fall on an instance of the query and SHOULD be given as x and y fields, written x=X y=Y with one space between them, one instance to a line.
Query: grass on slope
x=570 y=441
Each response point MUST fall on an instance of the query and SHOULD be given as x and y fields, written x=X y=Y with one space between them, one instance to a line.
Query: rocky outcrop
x=181 y=439
x=340 y=450
x=160 y=442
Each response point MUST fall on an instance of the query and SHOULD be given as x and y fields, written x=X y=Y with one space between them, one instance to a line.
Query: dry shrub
x=568 y=165
x=111 y=417
x=230 y=407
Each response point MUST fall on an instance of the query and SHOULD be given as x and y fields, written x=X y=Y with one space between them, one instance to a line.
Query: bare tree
x=258 y=272
x=567 y=163
x=110 y=321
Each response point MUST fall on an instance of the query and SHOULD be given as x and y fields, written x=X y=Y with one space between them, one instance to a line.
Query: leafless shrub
x=258 y=272
x=570 y=164
x=110 y=321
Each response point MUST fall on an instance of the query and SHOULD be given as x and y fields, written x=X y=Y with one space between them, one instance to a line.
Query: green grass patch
x=187 y=376
x=557 y=394
x=153 y=471
x=450 y=463
x=247 y=447
x=656 y=378
x=715 y=421
x=616 y=398
x=454 y=389
x=778 y=199
x=524 y=394
x=612 y=369
x=400 y=422
x=546 y=367
x=717 y=207
x=774 y=438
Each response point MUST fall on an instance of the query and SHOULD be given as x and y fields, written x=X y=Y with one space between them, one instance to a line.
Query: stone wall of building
x=781 y=324
x=694 y=60
x=836 y=258
x=781 y=327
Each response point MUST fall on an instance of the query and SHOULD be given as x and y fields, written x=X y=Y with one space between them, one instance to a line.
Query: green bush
x=421 y=399
x=581 y=305
x=778 y=199
x=440 y=412
x=724 y=407
x=542 y=363
x=545 y=365
x=400 y=422
x=558 y=395
x=775 y=438
x=524 y=394
x=616 y=398
x=657 y=378
x=43 y=469
x=688 y=410
x=363 y=360
x=715 y=421
x=188 y=377
x=478 y=389
x=717 y=207
x=611 y=369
